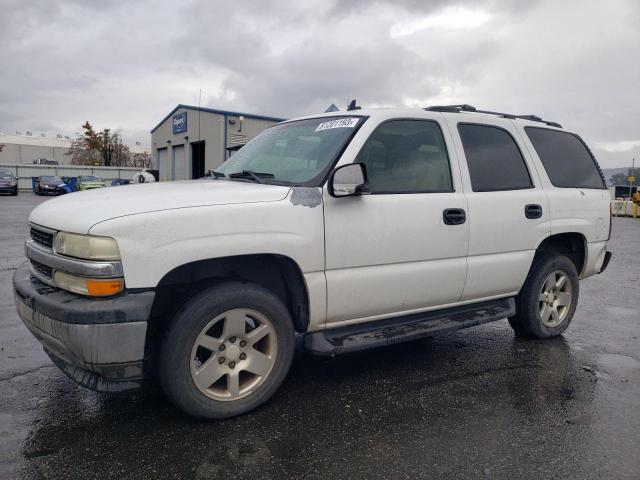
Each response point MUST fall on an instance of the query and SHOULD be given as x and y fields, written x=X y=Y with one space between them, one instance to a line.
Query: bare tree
x=141 y=160
x=81 y=154
x=104 y=148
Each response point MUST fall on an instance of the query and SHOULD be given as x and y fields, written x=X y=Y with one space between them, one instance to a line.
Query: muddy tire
x=226 y=351
x=548 y=299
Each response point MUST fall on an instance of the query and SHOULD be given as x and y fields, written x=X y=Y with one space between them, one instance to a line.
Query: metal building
x=190 y=140
x=19 y=148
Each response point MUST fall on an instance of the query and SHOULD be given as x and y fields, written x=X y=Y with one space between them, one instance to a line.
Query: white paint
x=502 y=241
x=79 y=211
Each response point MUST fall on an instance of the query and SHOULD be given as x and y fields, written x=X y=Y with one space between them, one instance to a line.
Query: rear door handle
x=454 y=216
x=532 y=211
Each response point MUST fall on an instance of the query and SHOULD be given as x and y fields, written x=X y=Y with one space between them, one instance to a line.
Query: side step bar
x=401 y=329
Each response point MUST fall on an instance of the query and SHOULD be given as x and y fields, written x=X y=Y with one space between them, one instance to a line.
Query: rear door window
x=566 y=158
x=494 y=159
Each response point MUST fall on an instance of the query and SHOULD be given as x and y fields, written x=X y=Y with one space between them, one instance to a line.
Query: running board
x=410 y=327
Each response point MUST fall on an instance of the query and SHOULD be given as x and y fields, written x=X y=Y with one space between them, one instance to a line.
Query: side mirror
x=348 y=180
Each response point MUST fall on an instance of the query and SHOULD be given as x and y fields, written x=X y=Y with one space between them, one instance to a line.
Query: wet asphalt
x=476 y=403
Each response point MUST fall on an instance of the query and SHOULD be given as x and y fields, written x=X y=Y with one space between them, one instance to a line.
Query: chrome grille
x=46 y=272
x=42 y=237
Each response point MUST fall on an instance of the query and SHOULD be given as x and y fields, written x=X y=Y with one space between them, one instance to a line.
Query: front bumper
x=99 y=343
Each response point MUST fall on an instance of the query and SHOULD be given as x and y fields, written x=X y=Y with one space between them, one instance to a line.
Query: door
x=163 y=163
x=508 y=209
x=197 y=159
x=390 y=252
x=178 y=162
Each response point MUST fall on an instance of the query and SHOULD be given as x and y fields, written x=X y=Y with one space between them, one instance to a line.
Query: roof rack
x=470 y=108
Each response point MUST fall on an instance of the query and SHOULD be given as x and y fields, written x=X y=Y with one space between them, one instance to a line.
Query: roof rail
x=469 y=108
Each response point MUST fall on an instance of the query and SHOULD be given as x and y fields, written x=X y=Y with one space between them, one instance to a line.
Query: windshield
x=293 y=153
x=90 y=178
x=51 y=179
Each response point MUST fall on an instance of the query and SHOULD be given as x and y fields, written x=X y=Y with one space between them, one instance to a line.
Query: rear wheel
x=547 y=302
x=226 y=351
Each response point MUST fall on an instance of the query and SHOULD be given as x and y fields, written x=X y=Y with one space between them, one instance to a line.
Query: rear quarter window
x=566 y=158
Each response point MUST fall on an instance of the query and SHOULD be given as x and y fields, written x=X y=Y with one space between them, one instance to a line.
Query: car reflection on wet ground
x=477 y=403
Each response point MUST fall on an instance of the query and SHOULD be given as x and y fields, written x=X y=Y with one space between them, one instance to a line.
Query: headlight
x=13 y=183
x=86 y=247
x=88 y=286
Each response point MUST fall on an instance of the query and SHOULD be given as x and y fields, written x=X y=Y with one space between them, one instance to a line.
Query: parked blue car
x=52 y=185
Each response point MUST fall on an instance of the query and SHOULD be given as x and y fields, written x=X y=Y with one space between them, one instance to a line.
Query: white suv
x=333 y=233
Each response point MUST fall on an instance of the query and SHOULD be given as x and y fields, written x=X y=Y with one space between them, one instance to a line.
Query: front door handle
x=454 y=216
x=532 y=211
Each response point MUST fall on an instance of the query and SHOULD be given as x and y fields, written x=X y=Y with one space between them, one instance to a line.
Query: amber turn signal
x=100 y=288
x=95 y=287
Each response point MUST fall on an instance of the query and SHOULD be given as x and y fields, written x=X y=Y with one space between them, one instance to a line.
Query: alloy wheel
x=555 y=299
x=233 y=354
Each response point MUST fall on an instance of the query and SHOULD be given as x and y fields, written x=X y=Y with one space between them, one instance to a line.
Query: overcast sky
x=126 y=64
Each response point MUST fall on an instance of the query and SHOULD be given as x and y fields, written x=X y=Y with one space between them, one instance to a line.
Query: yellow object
x=636 y=204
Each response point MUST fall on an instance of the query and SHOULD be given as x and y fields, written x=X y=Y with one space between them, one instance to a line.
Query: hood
x=79 y=211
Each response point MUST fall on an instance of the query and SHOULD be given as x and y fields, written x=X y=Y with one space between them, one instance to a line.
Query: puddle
x=615 y=363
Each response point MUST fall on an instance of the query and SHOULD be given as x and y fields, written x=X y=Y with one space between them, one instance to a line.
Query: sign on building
x=180 y=123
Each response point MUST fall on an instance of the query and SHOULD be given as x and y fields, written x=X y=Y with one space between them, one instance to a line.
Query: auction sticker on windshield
x=339 y=123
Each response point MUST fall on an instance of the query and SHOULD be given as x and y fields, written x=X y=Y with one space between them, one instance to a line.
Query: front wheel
x=226 y=351
x=548 y=299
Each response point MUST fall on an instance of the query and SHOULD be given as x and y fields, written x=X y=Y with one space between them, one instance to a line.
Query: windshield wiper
x=215 y=174
x=255 y=176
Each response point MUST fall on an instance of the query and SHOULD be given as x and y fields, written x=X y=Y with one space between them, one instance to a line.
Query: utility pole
x=632 y=177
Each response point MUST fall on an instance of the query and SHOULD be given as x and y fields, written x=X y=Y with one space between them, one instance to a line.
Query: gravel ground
x=476 y=403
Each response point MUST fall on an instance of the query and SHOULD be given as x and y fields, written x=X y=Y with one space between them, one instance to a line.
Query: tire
x=541 y=296
x=37 y=191
x=15 y=192
x=204 y=320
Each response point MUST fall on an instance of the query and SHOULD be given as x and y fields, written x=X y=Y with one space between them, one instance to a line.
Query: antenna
x=352 y=106
x=199 y=102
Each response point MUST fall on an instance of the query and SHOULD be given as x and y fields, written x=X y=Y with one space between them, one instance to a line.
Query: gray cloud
x=126 y=64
